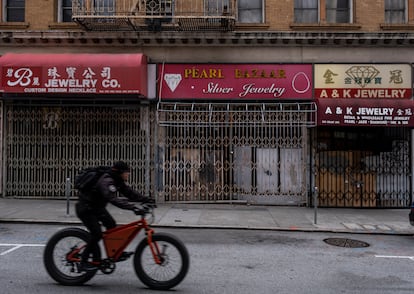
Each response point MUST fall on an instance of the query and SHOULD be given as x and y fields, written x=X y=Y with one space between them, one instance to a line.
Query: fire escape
x=155 y=15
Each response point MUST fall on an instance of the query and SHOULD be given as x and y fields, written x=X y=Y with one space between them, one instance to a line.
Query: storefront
x=234 y=132
x=363 y=146
x=63 y=112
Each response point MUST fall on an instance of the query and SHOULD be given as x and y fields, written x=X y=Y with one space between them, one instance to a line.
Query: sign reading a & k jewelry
x=384 y=81
x=365 y=113
x=235 y=81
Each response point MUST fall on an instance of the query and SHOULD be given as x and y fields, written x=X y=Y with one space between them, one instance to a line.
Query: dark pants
x=93 y=218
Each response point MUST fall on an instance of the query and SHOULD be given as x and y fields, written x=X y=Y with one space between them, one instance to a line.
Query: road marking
x=395 y=256
x=17 y=246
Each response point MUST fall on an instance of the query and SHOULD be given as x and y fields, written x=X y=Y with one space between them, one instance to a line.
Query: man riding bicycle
x=91 y=207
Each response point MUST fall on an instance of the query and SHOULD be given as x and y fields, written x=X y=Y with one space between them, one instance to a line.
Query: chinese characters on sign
x=71 y=79
x=362 y=112
x=383 y=81
x=236 y=81
x=74 y=73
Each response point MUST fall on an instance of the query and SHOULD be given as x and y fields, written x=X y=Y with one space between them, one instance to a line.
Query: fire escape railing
x=155 y=15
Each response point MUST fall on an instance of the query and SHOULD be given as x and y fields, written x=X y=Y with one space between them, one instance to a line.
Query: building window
x=14 y=10
x=306 y=11
x=338 y=11
x=250 y=11
x=215 y=7
x=395 y=11
x=104 y=7
x=65 y=11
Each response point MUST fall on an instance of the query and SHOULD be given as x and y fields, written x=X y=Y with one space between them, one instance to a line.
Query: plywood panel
x=243 y=168
x=267 y=161
x=291 y=171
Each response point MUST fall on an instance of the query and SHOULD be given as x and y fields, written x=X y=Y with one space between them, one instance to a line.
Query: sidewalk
x=231 y=216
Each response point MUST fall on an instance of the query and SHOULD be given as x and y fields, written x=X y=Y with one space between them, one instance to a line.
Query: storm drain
x=344 y=242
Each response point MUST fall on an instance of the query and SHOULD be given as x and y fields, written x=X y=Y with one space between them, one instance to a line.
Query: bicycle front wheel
x=62 y=255
x=173 y=266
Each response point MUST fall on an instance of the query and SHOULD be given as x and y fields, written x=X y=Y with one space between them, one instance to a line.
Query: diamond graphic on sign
x=172 y=80
x=362 y=75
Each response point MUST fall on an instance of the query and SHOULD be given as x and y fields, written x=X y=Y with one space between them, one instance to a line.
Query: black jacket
x=106 y=190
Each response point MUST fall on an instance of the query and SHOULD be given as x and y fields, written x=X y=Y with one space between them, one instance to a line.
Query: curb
x=223 y=227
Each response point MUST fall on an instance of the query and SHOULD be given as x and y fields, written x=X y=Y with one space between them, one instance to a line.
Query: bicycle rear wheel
x=62 y=255
x=174 y=265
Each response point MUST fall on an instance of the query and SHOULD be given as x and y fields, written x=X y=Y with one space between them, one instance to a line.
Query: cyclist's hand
x=138 y=211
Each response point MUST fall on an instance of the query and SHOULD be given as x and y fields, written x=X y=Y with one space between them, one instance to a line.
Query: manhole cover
x=344 y=242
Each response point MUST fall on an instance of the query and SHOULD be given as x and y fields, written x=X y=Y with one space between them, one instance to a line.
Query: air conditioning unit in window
x=161 y=12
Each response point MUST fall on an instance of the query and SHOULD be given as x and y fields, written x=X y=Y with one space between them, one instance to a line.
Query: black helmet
x=121 y=167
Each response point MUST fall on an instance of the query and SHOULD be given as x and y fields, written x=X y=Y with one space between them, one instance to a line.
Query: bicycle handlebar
x=146 y=208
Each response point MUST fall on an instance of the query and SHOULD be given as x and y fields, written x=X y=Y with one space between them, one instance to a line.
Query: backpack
x=87 y=178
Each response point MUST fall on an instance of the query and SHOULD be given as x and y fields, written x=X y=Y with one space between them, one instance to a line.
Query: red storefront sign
x=235 y=81
x=365 y=112
x=74 y=74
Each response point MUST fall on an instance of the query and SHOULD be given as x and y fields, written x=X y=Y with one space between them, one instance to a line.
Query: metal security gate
x=234 y=152
x=363 y=167
x=46 y=145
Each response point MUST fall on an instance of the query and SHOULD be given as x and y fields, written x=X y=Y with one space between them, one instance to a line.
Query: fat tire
x=49 y=261
x=151 y=282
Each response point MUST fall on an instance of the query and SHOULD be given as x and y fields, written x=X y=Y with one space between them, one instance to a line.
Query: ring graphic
x=307 y=80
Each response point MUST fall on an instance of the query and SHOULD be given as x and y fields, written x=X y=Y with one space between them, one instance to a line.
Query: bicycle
x=161 y=261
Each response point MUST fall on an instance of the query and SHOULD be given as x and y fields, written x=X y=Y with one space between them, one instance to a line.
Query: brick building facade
x=361 y=34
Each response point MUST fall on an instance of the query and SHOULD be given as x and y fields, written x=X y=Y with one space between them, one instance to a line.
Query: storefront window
x=354 y=170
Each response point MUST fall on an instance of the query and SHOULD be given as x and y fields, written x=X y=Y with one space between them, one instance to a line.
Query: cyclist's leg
x=106 y=219
x=91 y=221
x=109 y=222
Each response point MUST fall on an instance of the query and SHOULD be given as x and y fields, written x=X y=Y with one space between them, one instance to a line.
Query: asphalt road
x=231 y=261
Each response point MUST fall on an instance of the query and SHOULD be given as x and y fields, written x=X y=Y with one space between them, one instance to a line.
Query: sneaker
x=87 y=267
x=125 y=255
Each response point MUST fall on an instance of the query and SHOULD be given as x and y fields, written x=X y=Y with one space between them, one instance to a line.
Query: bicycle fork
x=157 y=254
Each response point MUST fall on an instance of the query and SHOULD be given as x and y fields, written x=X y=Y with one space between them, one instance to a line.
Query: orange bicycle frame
x=117 y=239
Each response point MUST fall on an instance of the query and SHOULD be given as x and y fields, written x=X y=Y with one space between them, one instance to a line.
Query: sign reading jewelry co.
x=384 y=81
x=74 y=74
x=235 y=81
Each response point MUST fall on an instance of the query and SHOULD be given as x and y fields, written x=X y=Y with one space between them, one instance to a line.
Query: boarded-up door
x=267 y=170
x=242 y=169
x=291 y=171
